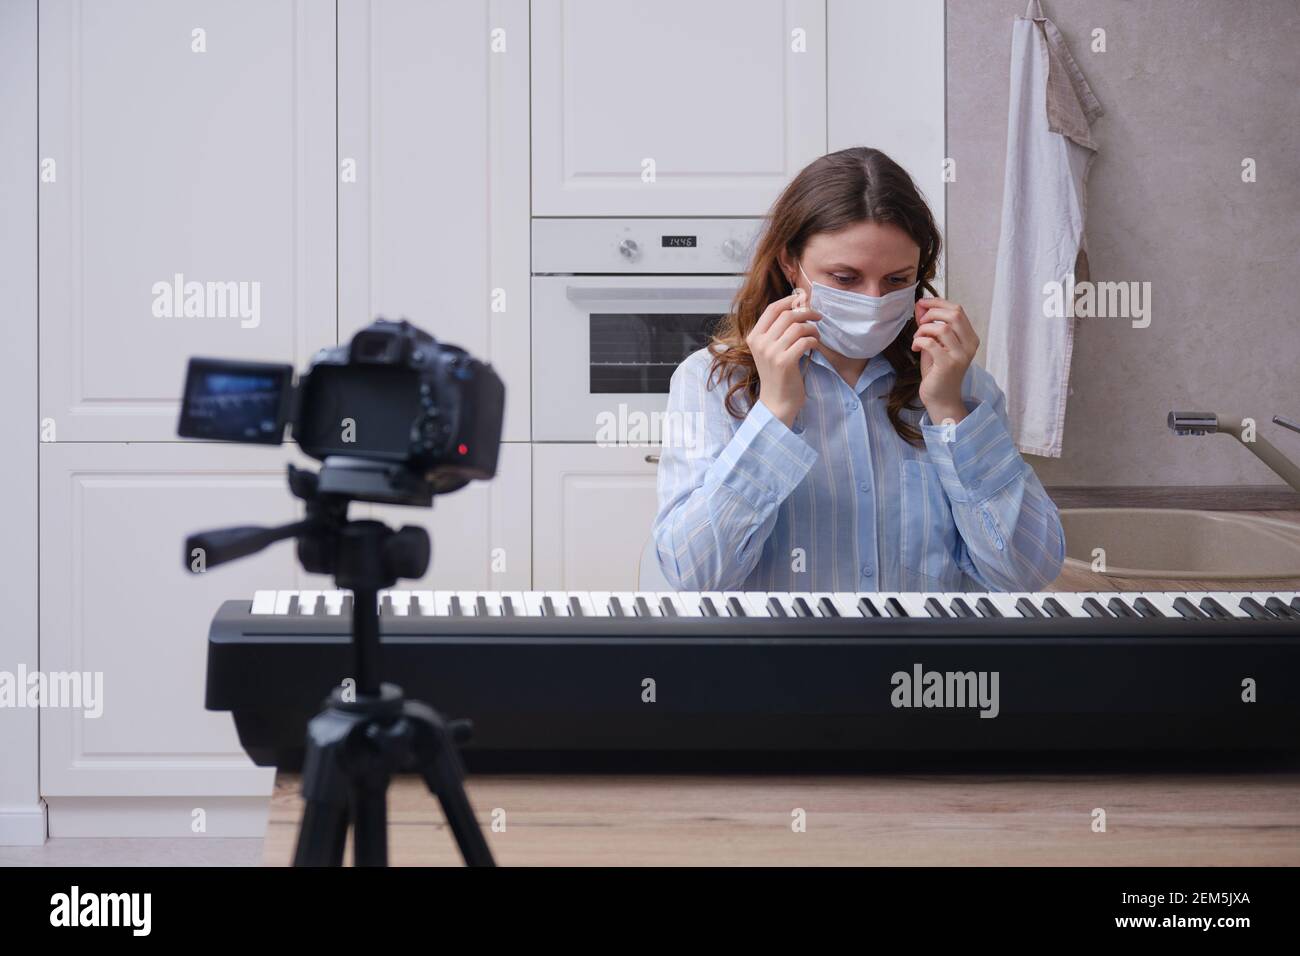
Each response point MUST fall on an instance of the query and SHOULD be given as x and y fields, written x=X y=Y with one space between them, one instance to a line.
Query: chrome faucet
x=1207 y=423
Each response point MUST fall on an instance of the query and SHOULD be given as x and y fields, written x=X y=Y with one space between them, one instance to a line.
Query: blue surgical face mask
x=857 y=325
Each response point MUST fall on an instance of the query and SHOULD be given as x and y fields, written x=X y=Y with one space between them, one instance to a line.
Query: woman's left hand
x=947 y=343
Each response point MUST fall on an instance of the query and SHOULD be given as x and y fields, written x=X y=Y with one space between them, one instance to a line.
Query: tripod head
x=364 y=557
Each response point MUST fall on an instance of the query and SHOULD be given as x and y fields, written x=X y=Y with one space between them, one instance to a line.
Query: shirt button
x=853 y=406
x=864 y=486
x=866 y=571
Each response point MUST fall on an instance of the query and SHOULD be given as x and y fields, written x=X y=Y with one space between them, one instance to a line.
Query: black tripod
x=367 y=733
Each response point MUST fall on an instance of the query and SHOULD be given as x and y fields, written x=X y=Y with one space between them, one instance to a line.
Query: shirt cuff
x=976 y=457
x=765 y=460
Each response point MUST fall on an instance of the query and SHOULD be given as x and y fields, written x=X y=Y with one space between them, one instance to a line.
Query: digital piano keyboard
x=578 y=677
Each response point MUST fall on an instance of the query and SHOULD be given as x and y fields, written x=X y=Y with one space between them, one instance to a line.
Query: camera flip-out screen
x=236 y=401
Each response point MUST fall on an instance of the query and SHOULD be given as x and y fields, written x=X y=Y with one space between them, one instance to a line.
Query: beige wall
x=1190 y=88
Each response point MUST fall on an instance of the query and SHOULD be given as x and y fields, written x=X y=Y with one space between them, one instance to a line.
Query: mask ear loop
x=800 y=297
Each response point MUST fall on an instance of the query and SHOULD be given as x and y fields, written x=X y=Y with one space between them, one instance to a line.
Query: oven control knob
x=733 y=249
x=628 y=249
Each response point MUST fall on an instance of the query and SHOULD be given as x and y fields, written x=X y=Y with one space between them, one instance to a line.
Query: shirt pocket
x=929 y=534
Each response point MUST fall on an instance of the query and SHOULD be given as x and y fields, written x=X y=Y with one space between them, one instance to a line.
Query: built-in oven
x=616 y=305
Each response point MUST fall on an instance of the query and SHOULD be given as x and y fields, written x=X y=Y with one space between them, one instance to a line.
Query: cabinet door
x=481 y=534
x=116 y=601
x=593 y=507
x=433 y=191
x=727 y=100
x=186 y=202
x=867 y=105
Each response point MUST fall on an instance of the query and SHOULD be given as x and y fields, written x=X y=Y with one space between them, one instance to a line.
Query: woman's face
x=869 y=257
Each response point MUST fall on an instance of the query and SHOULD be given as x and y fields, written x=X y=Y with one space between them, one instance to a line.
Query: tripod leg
x=321 y=835
x=439 y=763
x=370 y=822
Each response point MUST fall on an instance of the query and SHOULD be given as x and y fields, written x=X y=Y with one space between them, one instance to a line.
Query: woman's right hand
x=782 y=335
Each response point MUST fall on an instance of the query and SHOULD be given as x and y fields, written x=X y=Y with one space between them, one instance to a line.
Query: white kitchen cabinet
x=116 y=600
x=890 y=94
x=722 y=101
x=162 y=166
x=593 y=507
x=433 y=186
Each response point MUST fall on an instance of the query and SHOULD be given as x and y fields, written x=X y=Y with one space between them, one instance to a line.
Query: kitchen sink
x=1181 y=543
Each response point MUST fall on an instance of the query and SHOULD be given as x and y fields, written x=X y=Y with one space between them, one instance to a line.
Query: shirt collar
x=876 y=366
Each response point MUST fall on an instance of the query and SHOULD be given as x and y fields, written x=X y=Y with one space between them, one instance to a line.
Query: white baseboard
x=23 y=826
x=158 y=816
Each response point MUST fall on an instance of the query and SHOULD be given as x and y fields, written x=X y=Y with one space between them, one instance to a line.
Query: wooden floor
x=886 y=820
x=1151 y=819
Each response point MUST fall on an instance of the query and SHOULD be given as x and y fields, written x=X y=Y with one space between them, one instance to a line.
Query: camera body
x=394 y=395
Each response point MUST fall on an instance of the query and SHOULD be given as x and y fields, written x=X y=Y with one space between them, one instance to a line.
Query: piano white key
x=599 y=603
x=717 y=599
x=263 y=602
x=1230 y=601
x=847 y=603
x=628 y=601
x=282 y=599
x=755 y=603
x=673 y=599
x=401 y=601
x=493 y=600
x=1072 y=601
x=442 y=603
x=651 y=599
x=307 y=602
x=334 y=602
x=468 y=600
x=533 y=603
x=914 y=603
x=1006 y=602
x=560 y=599
x=688 y=603
x=518 y=606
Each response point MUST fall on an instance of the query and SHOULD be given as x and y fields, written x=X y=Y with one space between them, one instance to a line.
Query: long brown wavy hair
x=838 y=190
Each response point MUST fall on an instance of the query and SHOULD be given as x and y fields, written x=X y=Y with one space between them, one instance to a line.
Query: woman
x=845 y=440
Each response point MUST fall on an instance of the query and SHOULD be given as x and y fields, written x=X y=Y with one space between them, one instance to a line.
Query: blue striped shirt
x=840 y=502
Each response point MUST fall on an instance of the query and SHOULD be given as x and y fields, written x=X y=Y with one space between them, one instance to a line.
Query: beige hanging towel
x=1049 y=150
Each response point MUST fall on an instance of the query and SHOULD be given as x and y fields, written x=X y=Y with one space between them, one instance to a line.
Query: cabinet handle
x=652 y=459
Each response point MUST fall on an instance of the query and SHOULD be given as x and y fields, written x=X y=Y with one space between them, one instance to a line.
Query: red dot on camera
x=462 y=448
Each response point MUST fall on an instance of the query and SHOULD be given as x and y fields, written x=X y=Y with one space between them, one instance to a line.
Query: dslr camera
x=399 y=416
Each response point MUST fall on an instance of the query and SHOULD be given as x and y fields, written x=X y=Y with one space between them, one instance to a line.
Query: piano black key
x=1094 y=608
x=667 y=607
x=774 y=608
x=1256 y=610
x=867 y=608
x=575 y=607
x=480 y=606
x=1119 y=608
x=935 y=608
x=1214 y=609
x=1145 y=608
x=319 y=606
x=987 y=607
x=1027 y=609
x=708 y=607
x=453 y=607
x=735 y=608
x=616 y=607
x=293 y=605
x=386 y=608
x=345 y=608
x=826 y=608
x=642 y=608
x=1188 y=610
x=507 y=606
x=1295 y=604
x=961 y=609
x=801 y=608
x=894 y=608
x=1054 y=608
x=1278 y=607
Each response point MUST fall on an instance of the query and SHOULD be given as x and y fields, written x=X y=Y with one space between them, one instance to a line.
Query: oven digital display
x=678 y=242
